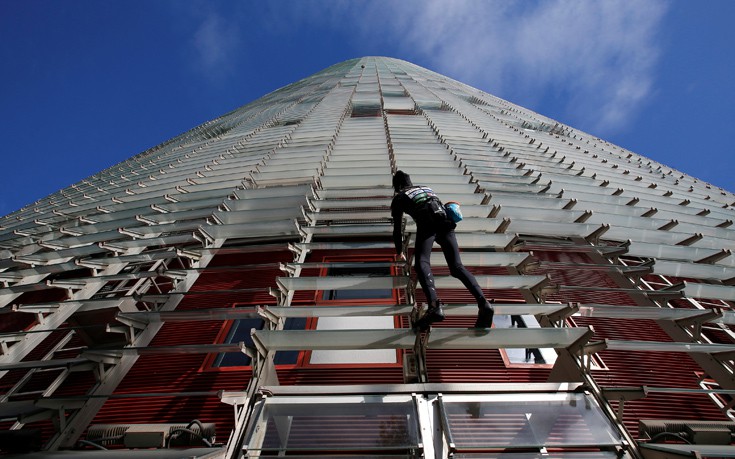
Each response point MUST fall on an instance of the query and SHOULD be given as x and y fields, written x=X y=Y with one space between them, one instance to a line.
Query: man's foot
x=433 y=314
x=485 y=315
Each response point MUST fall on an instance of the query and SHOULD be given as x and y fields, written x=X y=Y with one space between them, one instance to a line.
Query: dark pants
x=425 y=238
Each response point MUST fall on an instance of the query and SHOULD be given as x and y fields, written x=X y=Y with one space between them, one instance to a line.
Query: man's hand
x=401 y=257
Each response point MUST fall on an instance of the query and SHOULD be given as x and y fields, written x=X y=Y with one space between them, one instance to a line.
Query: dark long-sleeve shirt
x=411 y=201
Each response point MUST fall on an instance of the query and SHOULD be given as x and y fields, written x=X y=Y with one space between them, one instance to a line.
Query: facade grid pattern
x=612 y=275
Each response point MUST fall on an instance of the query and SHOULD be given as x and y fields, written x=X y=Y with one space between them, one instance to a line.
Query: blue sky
x=86 y=84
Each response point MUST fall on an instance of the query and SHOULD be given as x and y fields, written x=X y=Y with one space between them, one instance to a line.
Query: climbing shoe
x=485 y=315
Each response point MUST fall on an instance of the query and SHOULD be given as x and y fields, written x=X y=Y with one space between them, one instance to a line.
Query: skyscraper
x=234 y=291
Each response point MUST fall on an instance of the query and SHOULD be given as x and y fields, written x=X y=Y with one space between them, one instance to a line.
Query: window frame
x=311 y=323
x=223 y=333
x=504 y=354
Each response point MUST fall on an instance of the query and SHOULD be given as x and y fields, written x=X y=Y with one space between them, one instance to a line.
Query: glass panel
x=355 y=356
x=177 y=206
x=630 y=222
x=486 y=259
x=275 y=192
x=346 y=217
x=489 y=241
x=240 y=333
x=104 y=226
x=56 y=363
x=374 y=192
x=199 y=195
x=71 y=242
x=616 y=209
x=465 y=199
x=178 y=216
x=650 y=236
x=345 y=167
x=654 y=346
x=295 y=173
x=351 y=203
x=349 y=230
x=59 y=255
x=348 y=163
x=438 y=177
x=553 y=228
x=298 y=340
x=167 y=240
x=715 y=243
x=358 y=271
x=707 y=229
x=260 y=204
x=344 y=245
x=528 y=421
x=693 y=270
x=179 y=227
x=257 y=215
x=528 y=355
x=355 y=181
x=548 y=215
x=364 y=423
x=671 y=252
x=220 y=186
x=708 y=291
x=398 y=104
x=502 y=180
x=354 y=282
x=343 y=311
x=250 y=230
x=505 y=338
x=491 y=186
x=290 y=158
x=710 y=220
x=413 y=156
x=639 y=312
x=500 y=282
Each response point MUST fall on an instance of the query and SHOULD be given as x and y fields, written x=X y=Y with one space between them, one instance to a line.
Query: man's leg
x=448 y=243
x=422 y=253
x=450 y=248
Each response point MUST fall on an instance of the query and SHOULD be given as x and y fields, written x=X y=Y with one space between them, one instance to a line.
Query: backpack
x=454 y=212
x=429 y=205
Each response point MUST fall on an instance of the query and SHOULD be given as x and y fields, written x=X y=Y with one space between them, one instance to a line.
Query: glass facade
x=270 y=226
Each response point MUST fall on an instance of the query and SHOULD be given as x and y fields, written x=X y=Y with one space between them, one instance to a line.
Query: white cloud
x=214 y=42
x=597 y=58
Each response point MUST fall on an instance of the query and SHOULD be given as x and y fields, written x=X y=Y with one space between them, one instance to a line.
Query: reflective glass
x=709 y=291
x=367 y=423
x=528 y=420
x=671 y=252
x=693 y=270
x=358 y=282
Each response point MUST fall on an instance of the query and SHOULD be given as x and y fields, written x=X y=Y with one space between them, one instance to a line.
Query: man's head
x=401 y=180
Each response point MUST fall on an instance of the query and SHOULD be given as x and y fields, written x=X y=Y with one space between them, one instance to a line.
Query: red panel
x=181 y=373
x=16 y=321
x=656 y=369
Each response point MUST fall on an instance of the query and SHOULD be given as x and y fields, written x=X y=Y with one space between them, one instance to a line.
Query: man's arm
x=397 y=215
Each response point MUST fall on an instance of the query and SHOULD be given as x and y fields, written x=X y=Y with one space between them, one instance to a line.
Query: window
x=236 y=331
x=524 y=421
x=363 y=267
x=530 y=356
x=367 y=425
x=346 y=271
